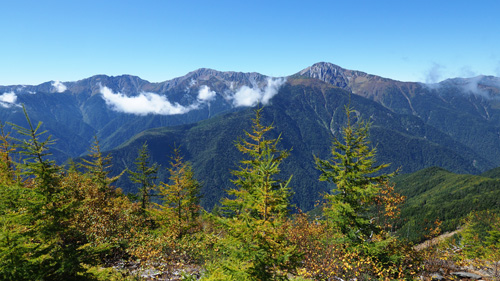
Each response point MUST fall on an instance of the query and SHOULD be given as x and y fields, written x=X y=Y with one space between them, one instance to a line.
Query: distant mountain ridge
x=467 y=109
x=371 y=86
x=464 y=111
x=76 y=111
x=308 y=113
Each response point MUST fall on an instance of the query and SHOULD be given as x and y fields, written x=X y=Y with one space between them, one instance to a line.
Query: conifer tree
x=107 y=213
x=98 y=167
x=354 y=173
x=7 y=169
x=144 y=175
x=180 y=196
x=256 y=241
x=259 y=194
x=34 y=233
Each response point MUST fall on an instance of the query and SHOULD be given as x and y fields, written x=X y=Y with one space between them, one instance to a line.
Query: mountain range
x=453 y=124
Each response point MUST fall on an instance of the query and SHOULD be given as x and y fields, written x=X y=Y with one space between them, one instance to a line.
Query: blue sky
x=425 y=41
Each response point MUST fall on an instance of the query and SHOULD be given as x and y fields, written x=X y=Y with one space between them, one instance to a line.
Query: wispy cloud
x=466 y=71
x=472 y=87
x=152 y=103
x=479 y=85
x=8 y=100
x=59 y=86
x=246 y=96
x=434 y=73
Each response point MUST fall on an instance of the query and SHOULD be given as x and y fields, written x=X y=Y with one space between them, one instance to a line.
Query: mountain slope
x=116 y=108
x=309 y=114
x=466 y=109
x=493 y=173
x=464 y=113
x=435 y=193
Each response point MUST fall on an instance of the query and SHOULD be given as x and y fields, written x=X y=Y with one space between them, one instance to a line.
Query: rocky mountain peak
x=228 y=76
x=336 y=75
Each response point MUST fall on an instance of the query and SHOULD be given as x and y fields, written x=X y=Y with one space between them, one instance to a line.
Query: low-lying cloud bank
x=152 y=103
x=143 y=104
x=8 y=100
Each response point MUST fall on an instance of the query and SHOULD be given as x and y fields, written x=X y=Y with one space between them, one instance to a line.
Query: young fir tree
x=357 y=183
x=256 y=244
x=180 y=197
x=145 y=175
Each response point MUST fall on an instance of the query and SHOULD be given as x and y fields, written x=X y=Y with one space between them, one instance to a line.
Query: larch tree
x=98 y=167
x=357 y=182
x=256 y=211
x=180 y=197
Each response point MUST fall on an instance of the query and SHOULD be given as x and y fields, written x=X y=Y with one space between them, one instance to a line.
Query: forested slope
x=308 y=114
x=437 y=194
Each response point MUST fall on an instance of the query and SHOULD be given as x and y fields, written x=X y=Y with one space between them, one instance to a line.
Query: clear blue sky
x=159 y=40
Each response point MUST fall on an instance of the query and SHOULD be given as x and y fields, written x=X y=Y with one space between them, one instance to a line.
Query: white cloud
x=472 y=86
x=152 y=103
x=58 y=86
x=8 y=99
x=143 y=104
x=246 y=96
x=205 y=94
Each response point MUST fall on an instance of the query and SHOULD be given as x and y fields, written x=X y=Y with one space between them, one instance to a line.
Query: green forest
x=70 y=222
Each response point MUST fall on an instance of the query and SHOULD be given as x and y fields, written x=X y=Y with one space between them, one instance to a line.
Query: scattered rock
x=150 y=273
x=462 y=274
